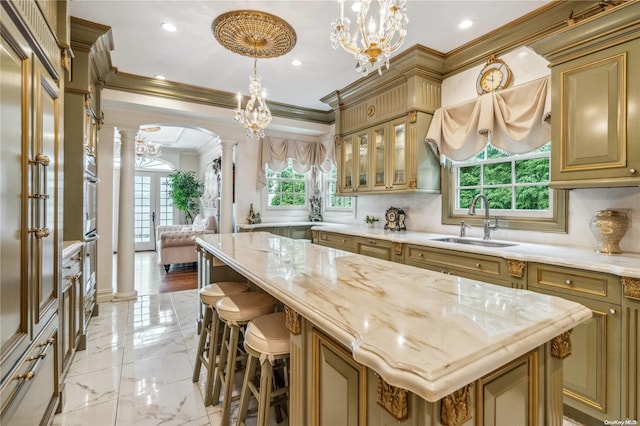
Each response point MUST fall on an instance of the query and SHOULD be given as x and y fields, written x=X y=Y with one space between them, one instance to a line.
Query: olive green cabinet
x=387 y=158
x=469 y=265
x=335 y=240
x=592 y=373
x=373 y=247
x=595 y=93
x=302 y=232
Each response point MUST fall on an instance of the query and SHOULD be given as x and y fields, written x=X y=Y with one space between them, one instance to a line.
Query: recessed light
x=160 y=77
x=167 y=26
x=465 y=24
x=296 y=62
x=356 y=7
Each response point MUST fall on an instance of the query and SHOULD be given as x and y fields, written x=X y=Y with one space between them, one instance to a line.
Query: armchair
x=176 y=243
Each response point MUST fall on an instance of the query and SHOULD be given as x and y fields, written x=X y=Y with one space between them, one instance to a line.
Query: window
x=511 y=183
x=333 y=201
x=166 y=202
x=516 y=186
x=286 y=188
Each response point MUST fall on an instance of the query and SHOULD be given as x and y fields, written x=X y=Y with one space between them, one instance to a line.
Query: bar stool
x=211 y=328
x=266 y=340
x=235 y=311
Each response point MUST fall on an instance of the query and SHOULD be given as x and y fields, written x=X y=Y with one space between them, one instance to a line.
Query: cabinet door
x=338 y=392
x=398 y=160
x=379 y=159
x=346 y=172
x=592 y=372
x=44 y=218
x=371 y=247
x=14 y=91
x=362 y=168
x=595 y=140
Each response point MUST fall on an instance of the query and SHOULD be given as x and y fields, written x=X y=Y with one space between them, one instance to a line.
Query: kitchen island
x=375 y=342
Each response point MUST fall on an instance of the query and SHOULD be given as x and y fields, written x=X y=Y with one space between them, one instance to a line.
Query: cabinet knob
x=568 y=282
x=632 y=171
x=419 y=254
x=478 y=265
x=612 y=311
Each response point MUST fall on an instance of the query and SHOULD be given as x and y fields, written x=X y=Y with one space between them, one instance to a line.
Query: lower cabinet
x=338 y=241
x=592 y=373
x=302 y=232
x=380 y=249
x=489 y=269
x=30 y=393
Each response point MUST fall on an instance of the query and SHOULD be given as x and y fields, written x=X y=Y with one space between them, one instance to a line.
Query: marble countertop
x=626 y=264
x=424 y=331
x=277 y=224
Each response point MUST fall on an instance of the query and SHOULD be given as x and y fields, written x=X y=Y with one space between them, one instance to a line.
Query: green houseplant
x=186 y=190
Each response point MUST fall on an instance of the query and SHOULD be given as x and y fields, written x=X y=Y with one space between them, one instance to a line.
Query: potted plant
x=186 y=190
x=370 y=220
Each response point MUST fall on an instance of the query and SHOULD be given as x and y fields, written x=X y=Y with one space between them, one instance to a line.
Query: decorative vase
x=609 y=226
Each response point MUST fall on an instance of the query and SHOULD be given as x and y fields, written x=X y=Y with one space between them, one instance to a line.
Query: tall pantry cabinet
x=33 y=46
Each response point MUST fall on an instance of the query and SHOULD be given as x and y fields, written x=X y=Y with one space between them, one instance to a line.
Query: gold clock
x=495 y=75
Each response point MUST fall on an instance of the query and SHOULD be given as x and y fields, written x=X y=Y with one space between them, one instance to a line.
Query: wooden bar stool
x=266 y=340
x=235 y=311
x=211 y=327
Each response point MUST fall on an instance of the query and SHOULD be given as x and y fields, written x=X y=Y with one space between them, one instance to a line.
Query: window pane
x=532 y=171
x=499 y=198
x=497 y=173
x=532 y=198
x=469 y=176
x=493 y=152
x=465 y=197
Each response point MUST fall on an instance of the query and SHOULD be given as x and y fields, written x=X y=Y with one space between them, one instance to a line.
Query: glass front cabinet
x=375 y=159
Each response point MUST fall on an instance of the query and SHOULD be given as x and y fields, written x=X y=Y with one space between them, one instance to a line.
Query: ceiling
x=192 y=55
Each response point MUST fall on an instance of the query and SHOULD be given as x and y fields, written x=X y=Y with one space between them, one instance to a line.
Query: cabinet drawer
x=339 y=241
x=380 y=249
x=484 y=268
x=595 y=285
x=30 y=393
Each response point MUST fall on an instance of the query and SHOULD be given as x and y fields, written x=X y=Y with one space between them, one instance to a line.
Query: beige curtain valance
x=276 y=151
x=515 y=120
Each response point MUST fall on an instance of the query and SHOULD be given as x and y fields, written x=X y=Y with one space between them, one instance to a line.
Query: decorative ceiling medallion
x=253 y=33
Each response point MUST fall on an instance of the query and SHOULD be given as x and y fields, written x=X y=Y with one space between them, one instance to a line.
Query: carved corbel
x=455 y=408
x=398 y=248
x=293 y=321
x=631 y=287
x=413 y=116
x=516 y=268
x=393 y=399
x=561 y=345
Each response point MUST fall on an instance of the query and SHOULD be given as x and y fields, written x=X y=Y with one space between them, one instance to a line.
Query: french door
x=153 y=207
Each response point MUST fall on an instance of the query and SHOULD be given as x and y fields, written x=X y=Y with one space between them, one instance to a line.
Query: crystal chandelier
x=145 y=150
x=257 y=35
x=255 y=117
x=379 y=36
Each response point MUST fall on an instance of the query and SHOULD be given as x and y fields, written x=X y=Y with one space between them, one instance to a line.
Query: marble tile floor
x=137 y=367
x=136 y=370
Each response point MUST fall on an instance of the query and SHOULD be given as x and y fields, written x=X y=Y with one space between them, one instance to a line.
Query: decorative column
x=106 y=148
x=126 y=250
x=226 y=192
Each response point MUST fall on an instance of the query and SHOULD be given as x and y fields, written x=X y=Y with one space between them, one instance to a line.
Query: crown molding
x=179 y=91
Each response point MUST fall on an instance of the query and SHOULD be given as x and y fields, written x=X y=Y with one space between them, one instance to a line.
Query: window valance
x=276 y=151
x=515 y=120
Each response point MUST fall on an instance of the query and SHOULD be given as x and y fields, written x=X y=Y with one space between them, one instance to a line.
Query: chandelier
x=378 y=35
x=258 y=35
x=144 y=150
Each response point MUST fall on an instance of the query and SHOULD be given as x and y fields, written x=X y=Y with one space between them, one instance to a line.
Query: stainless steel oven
x=90 y=204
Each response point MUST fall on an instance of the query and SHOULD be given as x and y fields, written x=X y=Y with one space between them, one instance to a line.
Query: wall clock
x=495 y=75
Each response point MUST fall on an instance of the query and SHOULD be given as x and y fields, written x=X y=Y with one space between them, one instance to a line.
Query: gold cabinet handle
x=40 y=233
x=372 y=241
x=39 y=196
x=41 y=159
x=26 y=376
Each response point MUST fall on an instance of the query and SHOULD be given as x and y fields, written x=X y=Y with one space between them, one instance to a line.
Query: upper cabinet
x=595 y=93
x=381 y=124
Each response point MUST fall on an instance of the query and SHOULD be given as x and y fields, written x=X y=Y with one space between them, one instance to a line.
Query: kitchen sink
x=483 y=243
